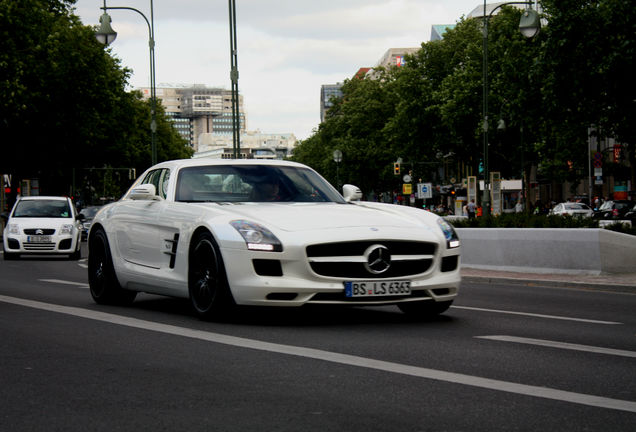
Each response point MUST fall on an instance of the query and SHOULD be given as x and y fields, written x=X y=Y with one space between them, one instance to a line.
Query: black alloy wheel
x=207 y=283
x=104 y=286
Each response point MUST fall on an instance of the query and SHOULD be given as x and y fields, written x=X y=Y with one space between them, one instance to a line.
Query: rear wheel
x=207 y=282
x=102 y=279
x=425 y=309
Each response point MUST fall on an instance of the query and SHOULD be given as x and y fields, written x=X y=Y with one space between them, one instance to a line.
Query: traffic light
x=396 y=168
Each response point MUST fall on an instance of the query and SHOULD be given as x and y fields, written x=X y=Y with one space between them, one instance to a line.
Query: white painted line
x=556 y=317
x=350 y=360
x=64 y=282
x=561 y=345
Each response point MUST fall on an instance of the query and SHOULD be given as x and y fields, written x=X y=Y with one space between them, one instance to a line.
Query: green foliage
x=622 y=228
x=525 y=220
x=64 y=107
x=577 y=72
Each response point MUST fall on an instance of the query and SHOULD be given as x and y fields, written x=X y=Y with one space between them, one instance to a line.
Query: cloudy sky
x=286 y=48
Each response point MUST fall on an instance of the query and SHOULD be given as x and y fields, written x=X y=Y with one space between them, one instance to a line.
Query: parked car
x=572 y=209
x=210 y=231
x=42 y=225
x=613 y=209
x=89 y=213
x=630 y=215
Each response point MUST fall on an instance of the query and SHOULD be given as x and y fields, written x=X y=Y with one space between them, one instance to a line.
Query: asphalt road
x=505 y=357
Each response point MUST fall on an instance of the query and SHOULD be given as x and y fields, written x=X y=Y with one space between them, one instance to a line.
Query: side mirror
x=144 y=192
x=351 y=193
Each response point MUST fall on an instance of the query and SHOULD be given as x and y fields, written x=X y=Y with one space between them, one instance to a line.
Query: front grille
x=44 y=231
x=347 y=260
x=39 y=246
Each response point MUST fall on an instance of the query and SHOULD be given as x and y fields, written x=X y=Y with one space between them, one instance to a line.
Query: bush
x=525 y=220
x=622 y=228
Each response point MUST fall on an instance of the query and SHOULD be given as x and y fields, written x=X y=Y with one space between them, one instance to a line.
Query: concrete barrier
x=548 y=250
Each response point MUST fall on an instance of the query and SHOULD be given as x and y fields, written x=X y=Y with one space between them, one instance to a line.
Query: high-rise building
x=196 y=110
x=328 y=91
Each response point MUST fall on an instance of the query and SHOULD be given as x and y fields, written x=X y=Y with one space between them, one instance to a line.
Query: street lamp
x=234 y=76
x=529 y=26
x=106 y=35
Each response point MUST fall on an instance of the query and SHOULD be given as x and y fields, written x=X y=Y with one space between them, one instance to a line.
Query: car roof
x=44 y=197
x=181 y=163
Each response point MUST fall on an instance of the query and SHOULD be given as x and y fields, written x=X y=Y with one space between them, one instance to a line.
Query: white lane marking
x=64 y=282
x=346 y=359
x=556 y=317
x=561 y=345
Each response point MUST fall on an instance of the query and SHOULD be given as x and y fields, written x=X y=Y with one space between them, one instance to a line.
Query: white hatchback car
x=274 y=233
x=43 y=225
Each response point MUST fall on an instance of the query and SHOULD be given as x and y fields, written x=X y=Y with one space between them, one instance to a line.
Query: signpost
x=424 y=190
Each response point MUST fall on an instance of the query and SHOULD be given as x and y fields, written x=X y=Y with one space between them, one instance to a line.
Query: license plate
x=377 y=288
x=38 y=239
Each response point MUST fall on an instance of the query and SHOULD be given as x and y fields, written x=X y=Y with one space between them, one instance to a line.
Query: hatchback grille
x=347 y=259
x=39 y=231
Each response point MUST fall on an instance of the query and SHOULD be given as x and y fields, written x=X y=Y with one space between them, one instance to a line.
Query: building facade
x=328 y=91
x=254 y=145
x=196 y=110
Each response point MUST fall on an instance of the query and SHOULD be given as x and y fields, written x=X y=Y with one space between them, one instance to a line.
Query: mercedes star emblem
x=377 y=259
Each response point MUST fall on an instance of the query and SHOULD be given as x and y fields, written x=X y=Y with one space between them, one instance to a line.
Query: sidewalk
x=624 y=282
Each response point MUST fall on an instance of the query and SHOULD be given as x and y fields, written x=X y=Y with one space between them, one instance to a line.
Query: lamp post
x=234 y=75
x=529 y=26
x=106 y=35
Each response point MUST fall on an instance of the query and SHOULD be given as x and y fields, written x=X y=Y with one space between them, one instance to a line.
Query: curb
x=596 y=286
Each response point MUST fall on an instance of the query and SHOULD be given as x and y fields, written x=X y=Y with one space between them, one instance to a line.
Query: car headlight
x=66 y=229
x=257 y=237
x=452 y=241
x=13 y=229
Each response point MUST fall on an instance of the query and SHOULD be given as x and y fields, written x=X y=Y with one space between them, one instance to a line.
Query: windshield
x=42 y=209
x=577 y=206
x=253 y=183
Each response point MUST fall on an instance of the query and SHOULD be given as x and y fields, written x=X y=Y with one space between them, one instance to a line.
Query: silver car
x=572 y=209
x=43 y=225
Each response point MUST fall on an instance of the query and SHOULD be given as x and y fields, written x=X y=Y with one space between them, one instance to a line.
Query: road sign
x=424 y=190
x=407 y=188
x=407 y=178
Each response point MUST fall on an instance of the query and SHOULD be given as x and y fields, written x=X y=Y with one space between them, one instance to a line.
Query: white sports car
x=275 y=233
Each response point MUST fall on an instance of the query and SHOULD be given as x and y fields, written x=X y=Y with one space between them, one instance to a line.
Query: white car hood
x=293 y=217
x=26 y=223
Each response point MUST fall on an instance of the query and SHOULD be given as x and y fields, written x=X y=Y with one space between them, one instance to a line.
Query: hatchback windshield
x=42 y=209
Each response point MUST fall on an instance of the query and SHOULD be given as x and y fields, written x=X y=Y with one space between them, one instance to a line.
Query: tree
x=64 y=107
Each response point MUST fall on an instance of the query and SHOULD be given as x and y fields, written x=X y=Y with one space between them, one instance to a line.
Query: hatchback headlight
x=66 y=229
x=257 y=237
x=13 y=229
x=452 y=241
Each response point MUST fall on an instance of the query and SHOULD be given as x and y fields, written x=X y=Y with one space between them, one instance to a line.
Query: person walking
x=470 y=209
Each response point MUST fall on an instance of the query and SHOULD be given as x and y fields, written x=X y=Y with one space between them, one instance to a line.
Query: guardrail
x=548 y=250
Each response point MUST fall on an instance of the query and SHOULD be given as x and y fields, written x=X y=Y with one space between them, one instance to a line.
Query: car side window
x=159 y=178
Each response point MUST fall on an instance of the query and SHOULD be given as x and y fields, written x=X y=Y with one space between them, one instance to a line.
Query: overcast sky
x=286 y=48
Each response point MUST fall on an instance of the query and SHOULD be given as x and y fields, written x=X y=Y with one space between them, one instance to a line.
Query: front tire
x=425 y=309
x=102 y=279
x=207 y=282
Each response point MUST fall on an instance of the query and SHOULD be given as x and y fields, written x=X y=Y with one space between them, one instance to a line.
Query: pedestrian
x=470 y=209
